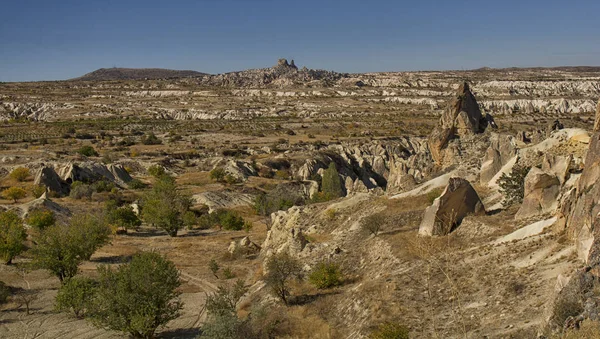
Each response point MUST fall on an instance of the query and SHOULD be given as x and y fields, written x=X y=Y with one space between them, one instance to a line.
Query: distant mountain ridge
x=115 y=73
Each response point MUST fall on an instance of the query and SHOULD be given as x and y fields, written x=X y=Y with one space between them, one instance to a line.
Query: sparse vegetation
x=281 y=269
x=20 y=174
x=326 y=275
x=218 y=174
x=373 y=223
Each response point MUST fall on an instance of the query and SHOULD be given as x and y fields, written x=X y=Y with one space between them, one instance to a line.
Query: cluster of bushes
x=219 y=175
x=150 y=139
x=224 y=219
x=81 y=190
x=121 y=217
x=136 y=298
x=87 y=151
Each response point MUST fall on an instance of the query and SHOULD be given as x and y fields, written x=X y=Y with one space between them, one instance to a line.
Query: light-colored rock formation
x=541 y=192
x=46 y=176
x=93 y=171
x=458 y=200
x=223 y=199
x=557 y=165
x=502 y=149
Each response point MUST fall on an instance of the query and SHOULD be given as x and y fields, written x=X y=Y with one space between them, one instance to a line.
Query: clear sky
x=48 y=40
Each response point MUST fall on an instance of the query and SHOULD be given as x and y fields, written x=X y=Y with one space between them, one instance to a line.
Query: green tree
x=20 y=174
x=512 y=186
x=164 y=206
x=156 y=171
x=217 y=174
x=326 y=275
x=223 y=322
x=12 y=236
x=122 y=217
x=14 y=193
x=281 y=269
x=41 y=218
x=138 y=297
x=331 y=185
x=61 y=248
x=87 y=151
x=76 y=296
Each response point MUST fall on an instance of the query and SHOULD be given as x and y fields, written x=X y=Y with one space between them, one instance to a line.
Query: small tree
x=331 y=185
x=87 y=151
x=281 y=268
x=14 y=193
x=138 y=297
x=150 y=139
x=373 y=223
x=164 y=206
x=12 y=236
x=61 y=248
x=325 y=275
x=20 y=174
x=223 y=322
x=156 y=171
x=121 y=217
x=41 y=218
x=512 y=186
x=217 y=174
x=214 y=267
x=76 y=295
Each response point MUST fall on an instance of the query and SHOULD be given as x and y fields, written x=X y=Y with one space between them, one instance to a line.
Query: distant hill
x=136 y=74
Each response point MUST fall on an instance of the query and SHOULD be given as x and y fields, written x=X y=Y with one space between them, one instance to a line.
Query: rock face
x=462 y=117
x=44 y=203
x=48 y=177
x=223 y=199
x=92 y=171
x=541 y=192
x=458 y=200
x=502 y=149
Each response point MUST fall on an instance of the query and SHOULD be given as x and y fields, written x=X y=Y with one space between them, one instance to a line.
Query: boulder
x=244 y=246
x=458 y=200
x=240 y=170
x=90 y=172
x=541 y=193
x=557 y=165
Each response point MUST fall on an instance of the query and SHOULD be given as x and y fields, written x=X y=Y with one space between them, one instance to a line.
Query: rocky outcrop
x=458 y=200
x=44 y=203
x=541 y=193
x=462 y=117
x=502 y=148
x=240 y=170
x=223 y=199
x=46 y=176
x=244 y=246
x=91 y=172
x=557 y=165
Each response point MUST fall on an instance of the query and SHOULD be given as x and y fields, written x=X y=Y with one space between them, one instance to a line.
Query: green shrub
x=222 y=218
x=390 y=331
x=38 y=190
x=373 y=223
x=190 y=219
x=156 y=171
x=76 y=295
x=4 y=293
x=512 y=186
x=87 y=151
x=281 y=269
x=138 y=297
x=136 y=184
x=122 y=217
x=214 y=267
x=325 y=275
x=41 y=218
x=20 y=173
x=80 y=190
x=14 y=193
x=331 y=184
x=12 y=236
x=103 y=186
x=217 y=174
x=150 y=139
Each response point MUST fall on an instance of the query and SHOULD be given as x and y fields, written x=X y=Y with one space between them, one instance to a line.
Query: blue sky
x=49 y=40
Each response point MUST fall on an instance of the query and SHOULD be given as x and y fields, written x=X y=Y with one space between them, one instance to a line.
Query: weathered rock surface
x=541 y=192
x=458 y=200
x=91 y=171
x=48 y=177
x=502 y=149
x=462 y=117
x=223 y=199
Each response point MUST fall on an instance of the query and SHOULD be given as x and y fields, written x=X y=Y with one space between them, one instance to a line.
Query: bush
x=76 y=296
x=122 y=217
x=390 y=331
x=103 y=186
x=20 y=173
x=4 y=293
x=79 y=190
x=61 y=248
x=150 y=139
x=190 y=219
x=138 y=297
x=164 y=206
x=325 y=275
x=224 y=219
x=373 y=223
x=136 y=184
x=512 y=186
x=14 y=193
x=41 y=218
x=223 y=322
x=156 y=171
x=217 y=174
x=38 y=190
x=12 y=236
x=281 y=269
x=331 y=185
x=87 y=151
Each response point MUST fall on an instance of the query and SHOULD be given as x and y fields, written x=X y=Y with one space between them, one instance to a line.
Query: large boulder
x=462 y=117
x=541 y=192
x=458 y=200
x=91 y=172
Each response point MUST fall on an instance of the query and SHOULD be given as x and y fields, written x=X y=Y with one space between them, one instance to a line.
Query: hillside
x=115 y=73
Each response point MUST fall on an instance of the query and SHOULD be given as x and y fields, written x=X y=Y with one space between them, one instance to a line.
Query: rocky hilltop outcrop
x=462 y=117
x=115 y=73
